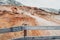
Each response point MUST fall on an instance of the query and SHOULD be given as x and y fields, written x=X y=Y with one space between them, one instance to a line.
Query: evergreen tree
x=13 y=2
x=59 y=11
x=10 y=2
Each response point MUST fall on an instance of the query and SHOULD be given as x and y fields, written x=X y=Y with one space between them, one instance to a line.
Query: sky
x=41 y=3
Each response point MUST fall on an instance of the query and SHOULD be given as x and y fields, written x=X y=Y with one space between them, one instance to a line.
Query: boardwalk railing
x=25 y=28
x=20 y=28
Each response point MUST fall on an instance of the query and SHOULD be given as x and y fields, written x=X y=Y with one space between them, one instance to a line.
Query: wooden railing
x=25 y=28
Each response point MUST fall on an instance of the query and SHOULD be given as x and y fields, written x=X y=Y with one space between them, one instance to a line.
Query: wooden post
x=25 y=33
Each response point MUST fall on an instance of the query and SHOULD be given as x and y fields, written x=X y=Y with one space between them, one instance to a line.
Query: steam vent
x=19 y=22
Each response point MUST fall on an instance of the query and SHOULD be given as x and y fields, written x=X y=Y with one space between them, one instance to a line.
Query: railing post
x=25 y=33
